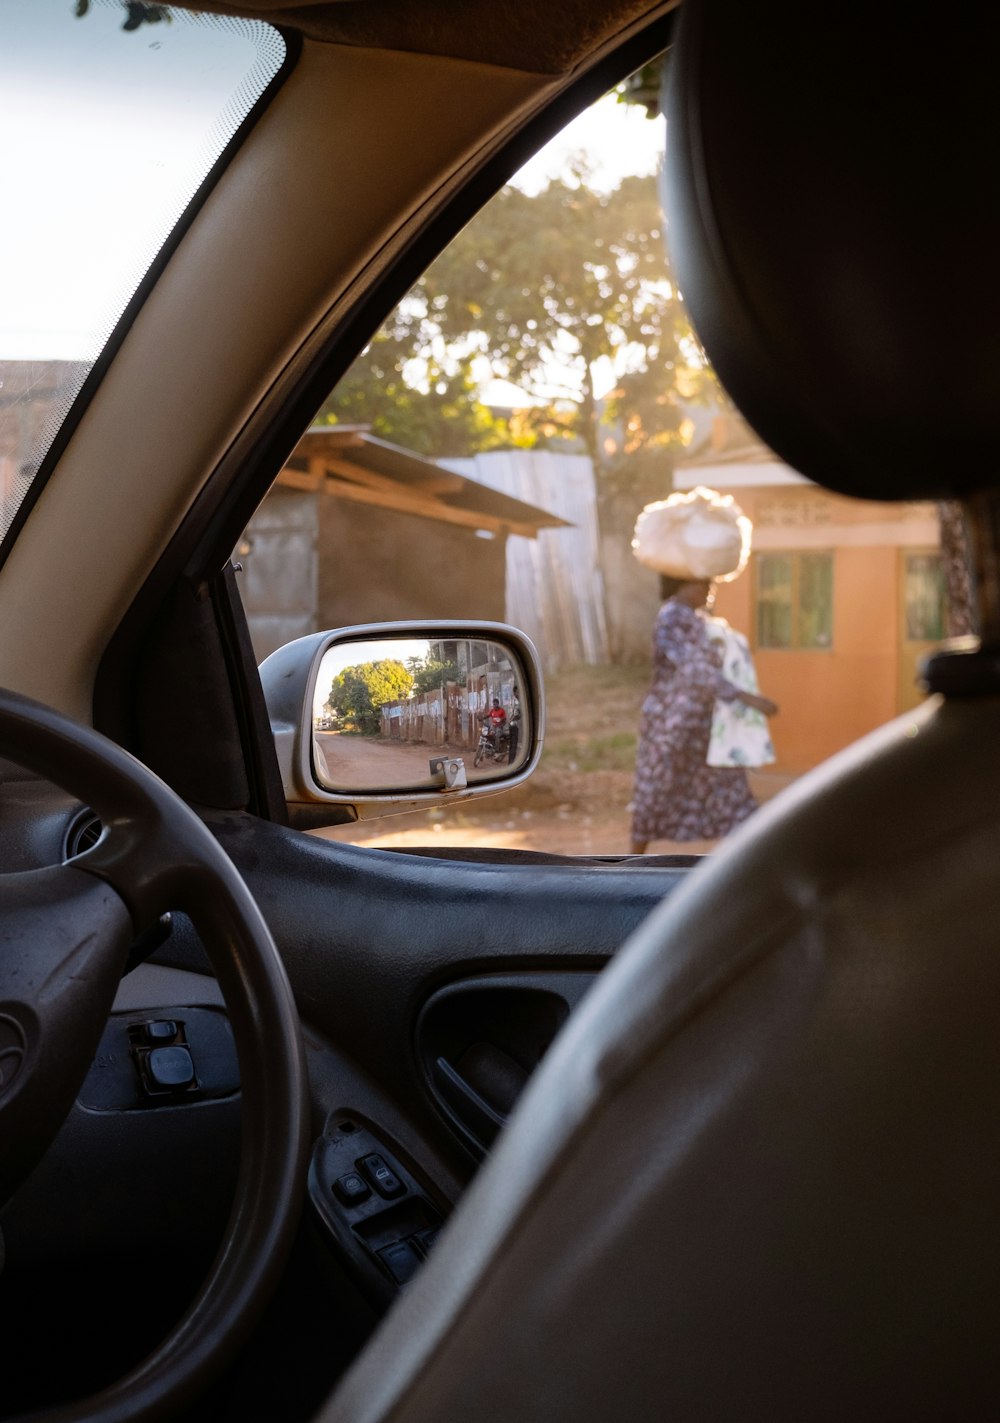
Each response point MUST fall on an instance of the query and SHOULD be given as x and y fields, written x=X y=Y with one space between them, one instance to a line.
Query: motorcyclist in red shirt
x=497 y=718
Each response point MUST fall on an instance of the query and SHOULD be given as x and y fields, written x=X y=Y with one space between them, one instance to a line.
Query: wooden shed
x=359 y=530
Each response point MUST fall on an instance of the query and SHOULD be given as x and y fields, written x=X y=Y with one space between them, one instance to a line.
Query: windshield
x=112 y=117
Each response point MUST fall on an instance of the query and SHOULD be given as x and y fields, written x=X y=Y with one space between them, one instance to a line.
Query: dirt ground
x=370 y=761
x=576 y=801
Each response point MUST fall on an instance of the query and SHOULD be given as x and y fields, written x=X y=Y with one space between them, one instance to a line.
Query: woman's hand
x=759 y=703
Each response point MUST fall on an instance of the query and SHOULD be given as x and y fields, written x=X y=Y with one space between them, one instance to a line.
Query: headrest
x=834 y=219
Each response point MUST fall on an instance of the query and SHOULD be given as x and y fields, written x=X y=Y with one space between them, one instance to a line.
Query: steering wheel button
x=170 y=1067
x=352 y=1188
x=162 y=1030
x=382 y=1176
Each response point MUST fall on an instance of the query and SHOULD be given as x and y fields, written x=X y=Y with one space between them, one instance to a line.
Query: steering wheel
x=66 y=931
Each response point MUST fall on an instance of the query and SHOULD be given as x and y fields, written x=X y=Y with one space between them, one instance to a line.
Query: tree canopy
x=429 y=673
x=564 y=292
x=137 y=13
x=357 y=694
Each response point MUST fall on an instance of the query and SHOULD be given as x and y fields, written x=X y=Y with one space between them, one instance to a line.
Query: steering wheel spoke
x=65 y=937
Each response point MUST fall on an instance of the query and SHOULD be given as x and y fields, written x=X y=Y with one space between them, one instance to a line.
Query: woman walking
x=703 y=719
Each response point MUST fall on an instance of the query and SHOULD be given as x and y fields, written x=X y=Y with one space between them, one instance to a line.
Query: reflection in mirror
x=414 y=713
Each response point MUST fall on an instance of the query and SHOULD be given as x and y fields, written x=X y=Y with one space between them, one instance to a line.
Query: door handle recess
x=471 y=1109
x=479 y=1040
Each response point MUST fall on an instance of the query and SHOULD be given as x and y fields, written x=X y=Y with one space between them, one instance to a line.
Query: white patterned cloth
x=739 y=735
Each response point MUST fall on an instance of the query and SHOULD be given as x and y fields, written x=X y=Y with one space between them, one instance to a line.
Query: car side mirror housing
x=387 y=717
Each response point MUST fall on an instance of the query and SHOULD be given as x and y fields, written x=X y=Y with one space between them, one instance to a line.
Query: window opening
x=487 y=454
x=794 y=600
x=924 y=598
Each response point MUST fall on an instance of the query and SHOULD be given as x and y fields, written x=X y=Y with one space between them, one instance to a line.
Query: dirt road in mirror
x=371 y=763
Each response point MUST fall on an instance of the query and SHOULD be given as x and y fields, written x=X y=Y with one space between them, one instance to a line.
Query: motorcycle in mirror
x=494 y=736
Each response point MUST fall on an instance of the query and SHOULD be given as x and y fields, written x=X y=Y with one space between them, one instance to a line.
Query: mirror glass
x=414 y=713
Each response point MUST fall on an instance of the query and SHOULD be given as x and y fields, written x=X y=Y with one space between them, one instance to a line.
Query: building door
x=921 y=618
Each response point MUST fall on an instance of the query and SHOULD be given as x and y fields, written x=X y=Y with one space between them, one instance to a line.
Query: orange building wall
x=829 y=698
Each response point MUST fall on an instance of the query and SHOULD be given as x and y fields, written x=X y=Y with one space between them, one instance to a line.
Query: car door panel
x=368 y=938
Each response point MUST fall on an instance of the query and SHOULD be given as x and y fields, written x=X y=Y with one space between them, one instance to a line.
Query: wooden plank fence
x=555 y=591
x=449 y=715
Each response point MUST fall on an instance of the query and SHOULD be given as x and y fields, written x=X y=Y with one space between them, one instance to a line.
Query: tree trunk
x=960 y=609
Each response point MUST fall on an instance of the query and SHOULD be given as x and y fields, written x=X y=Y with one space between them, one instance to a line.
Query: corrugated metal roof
x=348 y=462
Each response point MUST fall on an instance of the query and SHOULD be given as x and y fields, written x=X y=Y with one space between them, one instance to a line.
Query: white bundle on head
x=698 y=535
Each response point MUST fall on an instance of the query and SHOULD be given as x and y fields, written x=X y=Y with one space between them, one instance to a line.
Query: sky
x=89 y=199
x=351 y=654
x=617 y=139
x=90 y=192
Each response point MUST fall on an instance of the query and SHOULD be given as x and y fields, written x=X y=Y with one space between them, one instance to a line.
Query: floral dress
x=678 y=796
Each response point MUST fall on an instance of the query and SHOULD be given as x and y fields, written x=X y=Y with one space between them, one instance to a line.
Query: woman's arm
x=759 y=703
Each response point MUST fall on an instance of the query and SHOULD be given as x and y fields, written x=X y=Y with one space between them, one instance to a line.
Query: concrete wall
x=280 y=559
x=378 y=565
x=311 y=561
x=829 y=698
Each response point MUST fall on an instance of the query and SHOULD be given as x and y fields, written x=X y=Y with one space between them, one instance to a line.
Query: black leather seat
x=759 y=1175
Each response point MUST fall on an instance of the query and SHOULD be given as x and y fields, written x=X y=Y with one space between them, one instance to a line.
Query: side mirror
x=389 y=716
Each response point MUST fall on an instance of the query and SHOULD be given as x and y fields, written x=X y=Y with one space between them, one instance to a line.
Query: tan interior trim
x=539 y=39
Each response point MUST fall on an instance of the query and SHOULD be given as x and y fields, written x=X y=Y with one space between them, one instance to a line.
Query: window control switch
x=424 y=1239
x=382 y=1176
x=351 y=1189
x=401 y=1260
